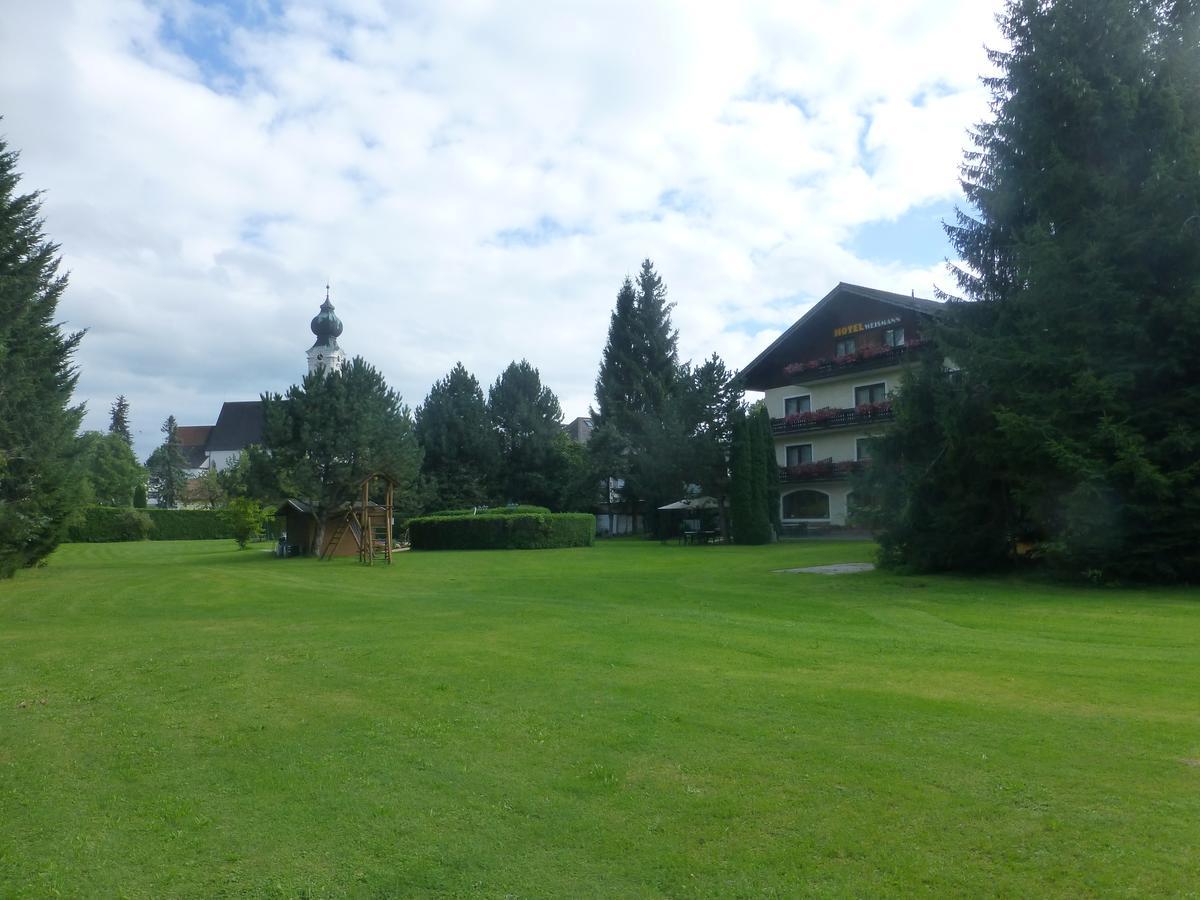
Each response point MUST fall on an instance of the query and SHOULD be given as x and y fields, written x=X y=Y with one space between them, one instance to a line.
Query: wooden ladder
x=348 y=522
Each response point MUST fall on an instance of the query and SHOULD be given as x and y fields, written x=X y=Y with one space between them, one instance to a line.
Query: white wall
x=223 y=459
x=838 y=393
x=837 y=492
x=836 y=445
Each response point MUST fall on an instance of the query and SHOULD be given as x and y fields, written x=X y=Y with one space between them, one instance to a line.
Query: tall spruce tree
x=527 y=422
x=37 y=421
x=619 y=390
x=461 y=452
x=1073 y=417
x=640 y=394
x=119 y=420
x=167 y=468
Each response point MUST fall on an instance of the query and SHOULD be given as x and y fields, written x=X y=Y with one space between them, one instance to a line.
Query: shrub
x=492 y=511
x=511 y=531
x=188 y=525
x=103 y=524
x=245 y=518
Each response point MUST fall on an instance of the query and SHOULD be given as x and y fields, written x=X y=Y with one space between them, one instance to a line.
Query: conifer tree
x=619 y=392
x=167 y=468
x=641 y=396
x=119 y=420
x=527 y=422
x=1076 y=352
x=750 y=489
x=461 y=454
x=37 y=378
x=334 y=429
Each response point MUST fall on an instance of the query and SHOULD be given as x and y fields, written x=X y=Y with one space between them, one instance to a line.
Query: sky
x=473 y=179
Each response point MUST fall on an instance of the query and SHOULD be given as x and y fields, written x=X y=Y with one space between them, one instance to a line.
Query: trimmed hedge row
x=105 y=524
x=515 y=531
x=491 y=511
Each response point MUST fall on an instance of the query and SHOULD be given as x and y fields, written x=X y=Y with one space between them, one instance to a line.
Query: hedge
x=103 y=524
x=514 y=531
x=491 y=511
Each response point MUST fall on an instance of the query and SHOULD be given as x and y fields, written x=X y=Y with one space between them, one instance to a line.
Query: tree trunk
x=318 y=537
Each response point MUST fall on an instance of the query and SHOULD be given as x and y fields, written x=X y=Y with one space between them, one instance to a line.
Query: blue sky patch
x=546 y=230
x=916 y=238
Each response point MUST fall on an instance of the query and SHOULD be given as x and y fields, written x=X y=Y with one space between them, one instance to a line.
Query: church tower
x=325 y=354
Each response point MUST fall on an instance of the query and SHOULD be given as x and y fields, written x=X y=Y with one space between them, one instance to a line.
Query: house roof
x=239 y=425
x=192 y=441
x=904 y=301
x=193 y=435
x=579 y=429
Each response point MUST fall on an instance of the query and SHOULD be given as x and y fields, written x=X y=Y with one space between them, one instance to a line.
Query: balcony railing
x=832 y=417
x=824 y=470
x=861 y=360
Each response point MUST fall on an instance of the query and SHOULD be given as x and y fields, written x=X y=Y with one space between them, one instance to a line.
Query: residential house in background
x=828 y=382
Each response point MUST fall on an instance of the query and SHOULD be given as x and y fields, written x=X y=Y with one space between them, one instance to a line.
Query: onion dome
x=326 y=325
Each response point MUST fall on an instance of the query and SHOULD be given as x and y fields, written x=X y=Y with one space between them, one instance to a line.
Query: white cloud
x=475 y=178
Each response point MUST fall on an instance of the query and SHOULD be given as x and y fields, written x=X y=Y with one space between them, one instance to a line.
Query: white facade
x=827 y=383
x=839 y=444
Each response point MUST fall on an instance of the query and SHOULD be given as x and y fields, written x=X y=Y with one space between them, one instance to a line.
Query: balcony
x=860 y=361
x=824 y=470
x=831 y=417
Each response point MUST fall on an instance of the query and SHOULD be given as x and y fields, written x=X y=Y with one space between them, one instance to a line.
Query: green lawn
x=629 y=720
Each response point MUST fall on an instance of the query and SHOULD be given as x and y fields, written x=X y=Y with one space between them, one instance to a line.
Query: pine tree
x=640 y=394
x=658 y=340
x=619 y=391
x=527 y=421
x=168 y=469
x=1076 y=352
x=331 y=431
x=461 y=452
x=715 y=398
x=37 y=422
x=119 y=422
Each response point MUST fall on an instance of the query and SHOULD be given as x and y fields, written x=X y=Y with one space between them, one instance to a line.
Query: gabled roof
x=239 y=425
x=904 y=301
x=192 y=441
x=193 y=435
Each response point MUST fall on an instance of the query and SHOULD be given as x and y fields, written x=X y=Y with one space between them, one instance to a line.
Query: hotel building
x=828 y=382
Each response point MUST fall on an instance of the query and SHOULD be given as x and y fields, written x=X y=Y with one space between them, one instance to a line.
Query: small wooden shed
x=297 y=526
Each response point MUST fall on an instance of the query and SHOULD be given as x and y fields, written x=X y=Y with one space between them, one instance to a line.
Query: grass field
x=629 y=720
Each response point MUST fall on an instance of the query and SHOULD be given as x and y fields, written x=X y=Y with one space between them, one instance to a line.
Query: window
x=870 y=393
x=862 y=448
x=806 y=505
x=795 y=405
x=798 y=454
x=893 y=337
x=844 y=347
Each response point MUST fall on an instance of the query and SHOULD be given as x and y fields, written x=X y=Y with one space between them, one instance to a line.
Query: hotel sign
x=864 y=326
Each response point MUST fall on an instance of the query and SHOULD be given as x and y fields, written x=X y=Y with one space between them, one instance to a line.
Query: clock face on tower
x=320 y=357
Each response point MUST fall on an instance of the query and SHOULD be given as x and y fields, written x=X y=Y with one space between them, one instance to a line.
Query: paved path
x=835 y=569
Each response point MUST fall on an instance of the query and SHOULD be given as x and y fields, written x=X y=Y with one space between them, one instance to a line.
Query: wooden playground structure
x=367 y=522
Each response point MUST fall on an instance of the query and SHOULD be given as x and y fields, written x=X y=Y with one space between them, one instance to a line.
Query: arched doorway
x=806 y=504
